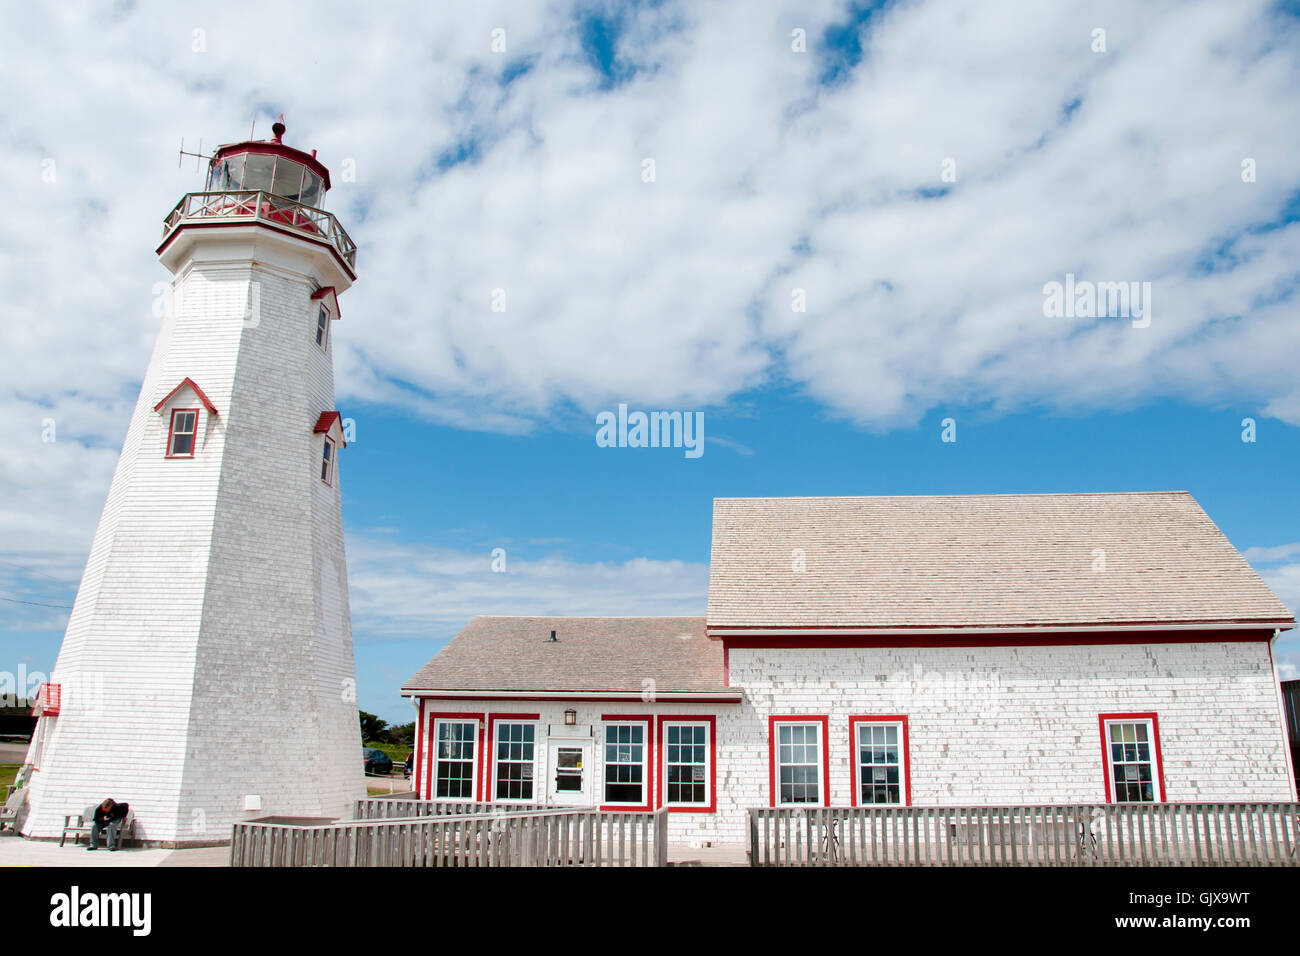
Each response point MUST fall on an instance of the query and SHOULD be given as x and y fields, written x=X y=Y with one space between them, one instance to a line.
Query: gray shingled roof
x=978 y=561
x=592 y=654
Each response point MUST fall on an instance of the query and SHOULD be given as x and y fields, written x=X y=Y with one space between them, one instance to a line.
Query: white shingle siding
x=987 y=725
x=213 y=613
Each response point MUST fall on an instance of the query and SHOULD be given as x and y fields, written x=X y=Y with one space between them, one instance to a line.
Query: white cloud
x=414 y=591
x=672 y=294
x=1267 y=555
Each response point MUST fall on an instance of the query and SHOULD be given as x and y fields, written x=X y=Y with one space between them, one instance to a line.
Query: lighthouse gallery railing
x=259 y=206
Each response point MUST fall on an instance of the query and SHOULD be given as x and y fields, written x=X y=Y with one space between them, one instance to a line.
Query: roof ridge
x=975 y=494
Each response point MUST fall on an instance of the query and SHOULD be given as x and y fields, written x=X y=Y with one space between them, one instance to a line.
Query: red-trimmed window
x=454 y=758
x=882 y=774
x=798 y=761
x=1130 y=745
x=323 y=329
x=514 y=767
x=327 y=461
x=688 y=763
x=181 y=433
x=627 y=763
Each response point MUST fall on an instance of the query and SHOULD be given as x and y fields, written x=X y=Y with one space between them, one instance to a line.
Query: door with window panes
x=568 y=772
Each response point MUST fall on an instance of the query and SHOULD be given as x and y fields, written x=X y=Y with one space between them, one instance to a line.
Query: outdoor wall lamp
x=570 y=718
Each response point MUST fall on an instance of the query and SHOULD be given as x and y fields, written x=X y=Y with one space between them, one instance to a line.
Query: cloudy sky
x=826 y=225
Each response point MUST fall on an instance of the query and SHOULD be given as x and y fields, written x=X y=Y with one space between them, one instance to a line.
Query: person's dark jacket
x=117 y=812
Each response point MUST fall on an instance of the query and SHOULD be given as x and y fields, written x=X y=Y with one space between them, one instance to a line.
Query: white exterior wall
x=987 y=726
x=1019 y=725
x=209 y=653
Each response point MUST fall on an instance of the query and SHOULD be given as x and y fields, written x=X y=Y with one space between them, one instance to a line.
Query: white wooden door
x=568 y=772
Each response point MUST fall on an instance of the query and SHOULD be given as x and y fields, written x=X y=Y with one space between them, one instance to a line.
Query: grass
x=397 y=751
x=7 y=773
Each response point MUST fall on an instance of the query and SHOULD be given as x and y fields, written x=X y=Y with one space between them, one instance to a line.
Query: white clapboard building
x=970 y=650
x=207 y=675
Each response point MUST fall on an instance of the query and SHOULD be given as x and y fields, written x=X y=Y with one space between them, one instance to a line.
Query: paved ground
x=12 y=753
x=18 y=852
x=707 y=855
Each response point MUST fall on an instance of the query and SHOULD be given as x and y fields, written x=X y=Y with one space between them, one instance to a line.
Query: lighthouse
x=206 y=675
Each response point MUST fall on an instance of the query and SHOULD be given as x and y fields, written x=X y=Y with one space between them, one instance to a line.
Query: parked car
x=377 y=761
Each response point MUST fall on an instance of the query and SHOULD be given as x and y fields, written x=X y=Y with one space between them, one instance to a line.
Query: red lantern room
x=269 y=166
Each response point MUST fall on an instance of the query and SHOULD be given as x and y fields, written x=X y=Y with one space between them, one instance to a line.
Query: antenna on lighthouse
x=197 y=156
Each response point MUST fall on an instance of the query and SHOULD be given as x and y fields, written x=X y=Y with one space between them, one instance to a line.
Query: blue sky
x=777 y=170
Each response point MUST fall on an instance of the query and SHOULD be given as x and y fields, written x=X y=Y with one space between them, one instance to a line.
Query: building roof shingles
x=978 y=561
x=591 y=654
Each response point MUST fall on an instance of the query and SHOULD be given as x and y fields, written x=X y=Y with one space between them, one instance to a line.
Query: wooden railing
x=1166 y=834
x=519 y=838
x=389 y=808
x=255 y=205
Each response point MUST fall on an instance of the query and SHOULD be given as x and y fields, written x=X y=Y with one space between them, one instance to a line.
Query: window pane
x=515 y=762
x=312 y=189
x=1132 y=766
x=288 y=179
x=685 y=767
x=257 y=171
x=799 y=769
x=454 y=773
x=879 y=762
x=625 y=763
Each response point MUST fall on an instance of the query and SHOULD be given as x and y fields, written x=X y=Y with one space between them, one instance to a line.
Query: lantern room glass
x=269 y=173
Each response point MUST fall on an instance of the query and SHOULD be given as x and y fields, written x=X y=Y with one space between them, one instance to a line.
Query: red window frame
x=1158 y=772
x=855 y=755
x=194 y=435
x=649 y=783
x=661 y=794
x=431 y=740
x=825 y=782
x=490 y=743
x=327 y=467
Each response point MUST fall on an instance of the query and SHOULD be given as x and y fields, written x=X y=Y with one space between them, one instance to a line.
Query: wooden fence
x=520 y=838
x=402 y=807
x=1165 y=834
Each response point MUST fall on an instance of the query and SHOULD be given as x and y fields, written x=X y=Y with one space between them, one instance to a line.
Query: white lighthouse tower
x=207 y=675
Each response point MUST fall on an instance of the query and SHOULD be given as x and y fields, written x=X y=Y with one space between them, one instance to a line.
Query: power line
x=62 y=607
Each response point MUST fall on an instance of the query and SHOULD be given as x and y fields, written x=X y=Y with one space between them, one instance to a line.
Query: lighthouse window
x=311 y=189
x=288 y=179
x=322 y=328
x=327 y=462
x=257 y=171
x=180 y=438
